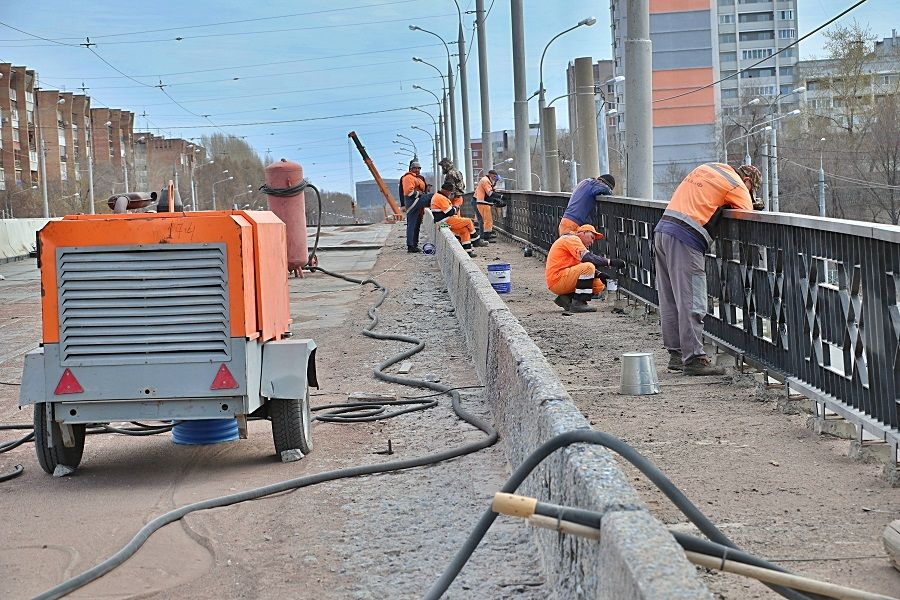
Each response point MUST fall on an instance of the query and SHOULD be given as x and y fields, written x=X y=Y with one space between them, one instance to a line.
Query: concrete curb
x=636 y=557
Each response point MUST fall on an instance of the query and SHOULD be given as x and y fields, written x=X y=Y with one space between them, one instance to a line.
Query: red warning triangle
x=68 y=384
x=224 y=380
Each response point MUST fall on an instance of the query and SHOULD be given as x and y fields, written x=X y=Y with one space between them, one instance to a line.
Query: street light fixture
x=588 y=22
x=447 y=114
x=416 y=150
x=9 y=208
x=451 y=91
x=229 y=178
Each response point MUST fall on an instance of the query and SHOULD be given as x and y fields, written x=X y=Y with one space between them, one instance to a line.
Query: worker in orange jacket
x=414 y=198
x=681 y=238
x=484 y=200
x=571 y=270
x=444 y=211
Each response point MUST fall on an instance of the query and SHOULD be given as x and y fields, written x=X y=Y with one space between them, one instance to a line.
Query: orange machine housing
x=256 y=258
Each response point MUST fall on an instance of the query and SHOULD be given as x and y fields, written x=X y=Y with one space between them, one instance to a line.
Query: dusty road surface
x=373 y=537
x=772 y=485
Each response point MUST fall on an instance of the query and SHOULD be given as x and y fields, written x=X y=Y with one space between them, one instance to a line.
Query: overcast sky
x=318 y=61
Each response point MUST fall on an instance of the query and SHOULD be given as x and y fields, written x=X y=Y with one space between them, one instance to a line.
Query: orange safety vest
x=699 y=200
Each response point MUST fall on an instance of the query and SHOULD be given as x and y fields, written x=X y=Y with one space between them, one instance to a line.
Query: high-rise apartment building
x=696 y=43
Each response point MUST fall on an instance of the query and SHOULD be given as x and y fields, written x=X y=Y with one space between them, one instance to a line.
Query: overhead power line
x=737 y=73
x=220 y=23
x=303 y=120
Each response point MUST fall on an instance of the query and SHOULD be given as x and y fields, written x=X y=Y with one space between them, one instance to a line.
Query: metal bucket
x=638 y=374
x=499 y=276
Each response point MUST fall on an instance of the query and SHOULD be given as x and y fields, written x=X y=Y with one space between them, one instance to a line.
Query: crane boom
x=397 y=213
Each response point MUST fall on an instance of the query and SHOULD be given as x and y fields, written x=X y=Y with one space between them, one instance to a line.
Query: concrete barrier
x=17 y=237
x=636 y=557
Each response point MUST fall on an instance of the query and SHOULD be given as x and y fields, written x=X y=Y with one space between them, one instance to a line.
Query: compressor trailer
x=182 y=317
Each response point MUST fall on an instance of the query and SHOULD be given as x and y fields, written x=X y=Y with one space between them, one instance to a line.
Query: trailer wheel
x=291 y=424
x=49 y=457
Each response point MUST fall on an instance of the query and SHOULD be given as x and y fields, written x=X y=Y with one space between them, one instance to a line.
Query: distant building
x=880 y=76
x=158 y=159
x=368 y=195
x=698 y=42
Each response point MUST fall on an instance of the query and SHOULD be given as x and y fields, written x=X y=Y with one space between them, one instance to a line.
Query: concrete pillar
x=464 y=97
x=551 y=150
x=520 y=104
x=587 y=155
x=487 y=158
x=638 y=100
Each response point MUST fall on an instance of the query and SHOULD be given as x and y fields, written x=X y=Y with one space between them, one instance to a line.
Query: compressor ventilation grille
x=143 y=304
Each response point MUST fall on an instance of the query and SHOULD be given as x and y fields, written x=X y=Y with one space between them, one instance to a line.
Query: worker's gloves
x=497 y=200
x=617 y=263
x=758 y=204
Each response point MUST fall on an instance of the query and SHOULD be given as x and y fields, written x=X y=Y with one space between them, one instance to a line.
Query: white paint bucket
x=499 y=276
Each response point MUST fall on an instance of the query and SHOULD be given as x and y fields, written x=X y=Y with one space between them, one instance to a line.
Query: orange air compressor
x=182 y=317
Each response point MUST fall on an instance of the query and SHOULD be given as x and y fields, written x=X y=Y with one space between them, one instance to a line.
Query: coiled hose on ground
x=145 y=532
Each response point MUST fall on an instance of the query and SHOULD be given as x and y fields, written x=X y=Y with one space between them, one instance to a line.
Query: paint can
x=499 y=276
x=612 y=285
x=428 y=248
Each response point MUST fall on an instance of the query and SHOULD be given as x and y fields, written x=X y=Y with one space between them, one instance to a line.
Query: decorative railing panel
x=813 y=299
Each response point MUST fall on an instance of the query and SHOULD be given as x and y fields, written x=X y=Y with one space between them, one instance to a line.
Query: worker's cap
x=445 y=162
x=447 y=186
x=608 y=180
x=414 y=165
x=590 y=228
x=492 y=172
x=751 y=173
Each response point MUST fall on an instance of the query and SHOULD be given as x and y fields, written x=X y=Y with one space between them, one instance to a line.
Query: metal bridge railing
x=813 y=301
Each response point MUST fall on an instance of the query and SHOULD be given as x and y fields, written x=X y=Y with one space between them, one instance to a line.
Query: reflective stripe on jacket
x=699 y=200
x=441 y=207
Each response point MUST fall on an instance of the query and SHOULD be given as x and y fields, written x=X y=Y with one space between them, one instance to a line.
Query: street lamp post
x=236 y=196
x=448 y=149
x=464 y=95
x=437 y=140
x=821 y=178
x=415 y=149
x=433 y=151
x=541 y=91
x=194 y=185
x=451 y=91
x=487 y=158
x=520 y=103
x=438 y=137
x=229 y=178
x=773 y=140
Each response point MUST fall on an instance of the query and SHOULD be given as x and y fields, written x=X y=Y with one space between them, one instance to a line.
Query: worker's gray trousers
x=681 y=282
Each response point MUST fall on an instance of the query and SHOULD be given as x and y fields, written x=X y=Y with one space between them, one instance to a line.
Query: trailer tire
x=50 y=457
x=291 y=424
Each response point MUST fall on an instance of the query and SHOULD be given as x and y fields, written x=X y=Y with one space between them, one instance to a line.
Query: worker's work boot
x=480 y=243
x=413 y=249
x=702 y=365
x=564 y=302
x=471 y=253
x=580 y=306
x=675 y=362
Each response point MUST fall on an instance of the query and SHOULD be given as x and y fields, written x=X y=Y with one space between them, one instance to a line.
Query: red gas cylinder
x=281 y=176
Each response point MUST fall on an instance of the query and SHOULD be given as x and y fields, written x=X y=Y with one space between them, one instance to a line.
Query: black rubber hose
x=625 y=451
x=312 y=256
x=17 y=470
x=145 y=532
x=594 y=519
x=362 y=412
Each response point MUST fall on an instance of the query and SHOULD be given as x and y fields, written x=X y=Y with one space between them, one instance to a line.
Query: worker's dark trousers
x=414 y=214
x=479 y=221
x=681 y=282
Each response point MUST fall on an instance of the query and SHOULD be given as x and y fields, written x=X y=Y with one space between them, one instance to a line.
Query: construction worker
x=485 y=199
x=453 y=175
x=580 y=209
x=413 y=190
x=571 y=270
x=681 y=239
x=445 y=212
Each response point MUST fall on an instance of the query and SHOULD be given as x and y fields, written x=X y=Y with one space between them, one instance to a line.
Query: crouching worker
x=571 y=270
x=445 y=212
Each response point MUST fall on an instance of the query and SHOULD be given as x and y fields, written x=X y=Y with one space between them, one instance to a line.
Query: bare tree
x=884 y=157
